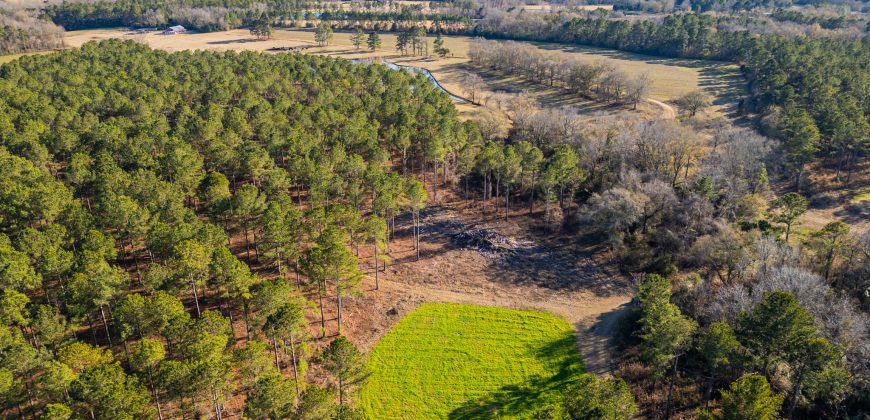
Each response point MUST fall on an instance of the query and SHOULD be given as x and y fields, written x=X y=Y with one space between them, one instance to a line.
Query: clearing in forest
x=467 y=361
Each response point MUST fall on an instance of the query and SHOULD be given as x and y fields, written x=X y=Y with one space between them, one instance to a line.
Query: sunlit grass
x=465 y=361
x=9 y=57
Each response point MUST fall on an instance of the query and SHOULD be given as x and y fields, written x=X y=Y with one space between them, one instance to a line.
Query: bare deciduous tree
x=473 y=83
x=693 y=102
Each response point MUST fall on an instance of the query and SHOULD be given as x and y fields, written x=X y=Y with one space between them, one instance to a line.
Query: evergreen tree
x=775 y=327
x=323 y=34
x=288 y=326
x=665 y=332
x=438 y=45
x=357 y=37
x=719 y=347
x=271 y=398
x=373 y=41
x=344 y=361
x=593 y=398
x=749 y=397
x=787 y=209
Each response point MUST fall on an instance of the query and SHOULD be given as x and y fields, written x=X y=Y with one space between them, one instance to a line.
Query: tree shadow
x=234 y=41
x=560 y=264
x=522 y=399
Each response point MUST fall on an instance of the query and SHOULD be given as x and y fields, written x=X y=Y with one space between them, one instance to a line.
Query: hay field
x=466 y=361
x=9 y=57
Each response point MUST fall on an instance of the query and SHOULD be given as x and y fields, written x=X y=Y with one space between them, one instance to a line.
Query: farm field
x=466 y=361
x=671 y=78
x=9 y=57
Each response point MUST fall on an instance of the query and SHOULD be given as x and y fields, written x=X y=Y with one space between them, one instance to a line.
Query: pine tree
x=271 y=398
x=665 y=332
x=374 y=41
x=323 y=34
x=357 y=37
x=749 y=397
x=775 y=327
x=787 y=209
x=344 y=361
x=438 y=45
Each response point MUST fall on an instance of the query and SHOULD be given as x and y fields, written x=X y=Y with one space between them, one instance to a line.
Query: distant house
x=172 y=30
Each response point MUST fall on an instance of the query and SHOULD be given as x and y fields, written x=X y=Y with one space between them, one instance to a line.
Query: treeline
x=136 y=216
x=827 y=22
x=724 y=5
x=667 y=6
x=206 y=15
x=404 y=16
x=591 y=80
x=19 y=32
x=811 y=89
x=217 y=15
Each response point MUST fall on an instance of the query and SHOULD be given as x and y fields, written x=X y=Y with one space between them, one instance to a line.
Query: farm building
x=172 y=30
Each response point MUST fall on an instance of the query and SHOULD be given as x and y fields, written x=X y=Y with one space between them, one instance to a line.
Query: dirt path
x=547 y=274
x=668 y=112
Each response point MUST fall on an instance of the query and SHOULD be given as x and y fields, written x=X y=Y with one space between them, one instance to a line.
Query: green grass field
x=10 y=57
x=464 y=361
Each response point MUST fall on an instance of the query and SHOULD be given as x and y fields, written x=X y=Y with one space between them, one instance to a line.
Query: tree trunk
x=106 y=325
x=547 y=205
x=297 y=269
x=247 y=244
x=322 y=319
x=797 y=184
x=532 y=199
x=466 y=191
x=275 y=349
x=497 y=186
x=507 y=198
x=435 y=181
x=295 y=369
x=795 y=391
x=671 y=389
x=195 y=297
x=247 y=322
x=708 y=394
x=417 y=233
x=338 y=298
x=376 y=265
x=485 y=190
x=154 y=391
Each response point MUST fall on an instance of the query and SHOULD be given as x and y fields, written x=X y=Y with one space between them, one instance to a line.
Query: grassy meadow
x=466 y=361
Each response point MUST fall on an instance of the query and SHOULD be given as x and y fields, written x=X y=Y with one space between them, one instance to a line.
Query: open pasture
x=466 y=361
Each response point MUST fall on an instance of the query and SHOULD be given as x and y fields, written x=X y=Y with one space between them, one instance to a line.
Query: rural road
x=668 y=112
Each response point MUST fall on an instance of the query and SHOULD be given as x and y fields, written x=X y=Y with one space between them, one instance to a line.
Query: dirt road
x=668 y=112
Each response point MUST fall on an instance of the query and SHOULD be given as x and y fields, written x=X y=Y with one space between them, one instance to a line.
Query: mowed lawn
x=466 y=361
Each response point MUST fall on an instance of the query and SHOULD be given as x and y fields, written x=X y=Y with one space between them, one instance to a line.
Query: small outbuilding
x=172 y=30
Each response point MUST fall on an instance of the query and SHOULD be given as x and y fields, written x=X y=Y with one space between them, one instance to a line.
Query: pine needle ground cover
x=466 y=361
